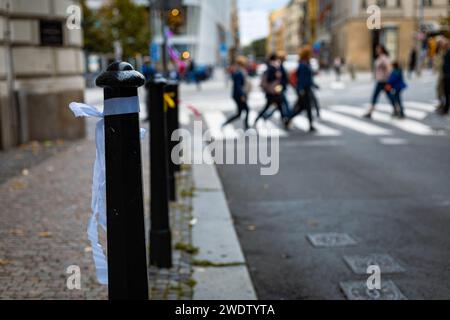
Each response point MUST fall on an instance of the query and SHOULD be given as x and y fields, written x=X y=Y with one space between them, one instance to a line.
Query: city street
x=382 y=186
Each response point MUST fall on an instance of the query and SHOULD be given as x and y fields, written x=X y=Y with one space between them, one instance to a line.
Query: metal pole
x=127 y=265
x=172 y=126
x=160 y=235
x=164 y=39
x=420 y=21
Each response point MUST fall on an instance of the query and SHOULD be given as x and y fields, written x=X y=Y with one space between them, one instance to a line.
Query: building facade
x=354 y=41
x=205 y=30
x=294 y=27
x=277 y=28
x=41 y=72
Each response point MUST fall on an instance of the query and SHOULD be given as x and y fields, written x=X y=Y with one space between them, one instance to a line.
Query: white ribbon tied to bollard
x=115 y=106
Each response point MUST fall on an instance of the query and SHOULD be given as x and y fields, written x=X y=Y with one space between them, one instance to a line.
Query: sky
x=253 y=18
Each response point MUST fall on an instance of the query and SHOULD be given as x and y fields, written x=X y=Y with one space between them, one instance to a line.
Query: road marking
x=215 y=120
x=406 y=125
x=420 y=106
x=357 y=290
x=354 y=124
x=266 y=128
x=184 y=117
x=393 y=141
x=330 y=240
x=410 y=113
x=359 y=263
x=302 y=123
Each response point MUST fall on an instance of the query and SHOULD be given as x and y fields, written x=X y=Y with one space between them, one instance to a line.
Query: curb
x=215 y=237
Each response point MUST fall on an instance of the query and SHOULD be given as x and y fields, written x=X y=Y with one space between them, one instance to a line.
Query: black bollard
x=127 y=266
x=171 y=91
x=160 y=235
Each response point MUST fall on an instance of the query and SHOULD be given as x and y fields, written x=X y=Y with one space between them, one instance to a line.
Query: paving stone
x=387 y=264
x=330 y=240
x=358 y=290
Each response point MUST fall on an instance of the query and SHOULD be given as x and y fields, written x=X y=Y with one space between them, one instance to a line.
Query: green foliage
x=256 y=48
x=445 y=22
x=117 y=20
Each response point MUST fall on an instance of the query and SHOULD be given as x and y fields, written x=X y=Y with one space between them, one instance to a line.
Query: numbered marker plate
x=387 y=264
x=330 y=240
x=359 y=291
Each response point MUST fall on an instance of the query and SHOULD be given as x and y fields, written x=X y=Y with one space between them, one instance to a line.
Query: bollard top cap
x=120 y=75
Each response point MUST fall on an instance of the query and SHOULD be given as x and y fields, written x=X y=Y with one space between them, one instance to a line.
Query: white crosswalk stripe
x=420 y=106
x=266 y=128
x=407 y=125
x=215 y=120
x=354 y=124
x=339 y=116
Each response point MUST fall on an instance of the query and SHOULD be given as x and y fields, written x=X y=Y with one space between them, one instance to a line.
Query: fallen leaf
x=17 y=232
x=88 y=249
x=25 y=172
x=18 y=185
x=45 y=234
x=251 y=228
x=4 y=263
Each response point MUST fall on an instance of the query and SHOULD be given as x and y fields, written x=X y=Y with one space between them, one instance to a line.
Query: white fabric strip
x=98 y=206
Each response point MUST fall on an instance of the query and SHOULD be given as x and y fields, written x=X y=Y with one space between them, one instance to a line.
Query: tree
x=256 y=48
x=117 y=20
x=96 y=38
x=445 y=22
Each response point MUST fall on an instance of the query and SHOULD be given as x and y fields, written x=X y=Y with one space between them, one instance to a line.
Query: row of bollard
x=127 y=256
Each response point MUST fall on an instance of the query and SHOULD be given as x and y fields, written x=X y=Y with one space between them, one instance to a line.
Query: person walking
x=240 y=91
x=271 y=84
x=383 y=69
x=395 y=85
x=412 y=65
x=446 y=72
x=285 y=84
x=149 y=72
x=304 y=87
x=338 y=68
x=443 y=45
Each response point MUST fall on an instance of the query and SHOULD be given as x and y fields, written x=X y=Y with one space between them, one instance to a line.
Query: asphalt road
x=392 y=198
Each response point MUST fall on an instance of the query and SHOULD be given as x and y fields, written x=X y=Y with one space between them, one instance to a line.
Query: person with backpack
x=271 y=84
x=383 y=69
x=395 y=85
x=240 y=91
x=304 y=87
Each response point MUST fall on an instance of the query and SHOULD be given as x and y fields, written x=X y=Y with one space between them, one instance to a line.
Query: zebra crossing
x=336 y=120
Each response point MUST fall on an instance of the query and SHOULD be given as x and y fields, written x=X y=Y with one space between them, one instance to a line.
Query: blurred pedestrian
x=395 y=86
x=446 y=73
x=272 y=87
x=412 y=63
x=304 y=88
x=338 y=68
x=443 y=46
x=285 y=84
x=148 y=70
x=383 y=69
x=241 y=90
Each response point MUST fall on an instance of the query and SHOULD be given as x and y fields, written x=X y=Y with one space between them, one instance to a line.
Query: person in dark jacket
x=285 y=84
x=304 y=86
x=395 y=85
x=446 y=72
x=240 y=91
x=272 y=87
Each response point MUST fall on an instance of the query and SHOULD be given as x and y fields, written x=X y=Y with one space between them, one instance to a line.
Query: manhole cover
x=387 y=264
x=359 y=291
x=329 y=240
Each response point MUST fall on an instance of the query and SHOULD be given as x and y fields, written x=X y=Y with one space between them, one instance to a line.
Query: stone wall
x=46 y=76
